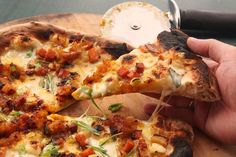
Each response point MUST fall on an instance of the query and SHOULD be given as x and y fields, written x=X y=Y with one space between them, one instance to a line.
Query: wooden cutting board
x=203 y=146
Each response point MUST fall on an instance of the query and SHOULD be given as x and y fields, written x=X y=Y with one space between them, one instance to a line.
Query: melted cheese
x=110 y=147
x=25 y=148
x=32 y=86
x=18 y=58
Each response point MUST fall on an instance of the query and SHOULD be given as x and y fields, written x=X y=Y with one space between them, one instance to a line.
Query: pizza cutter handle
x=208 y=21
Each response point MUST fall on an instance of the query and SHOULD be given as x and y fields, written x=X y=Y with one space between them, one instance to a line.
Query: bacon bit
x=93 y=55
x=20 y=101
x=2 y=67
x=3 y=151
x=7 y=142
x=56 y=127
x=133 y=74
x=103 y=68
x=73 y=128
x=64 y=91
x=81 y=139
x=29 y=72
x=142 y=148
x=6 y=129
x=41 y=52
x=126 y=125
x=86 y=45
x=87 y=152
x=123 y=72
x=68 y=57
x=41 y=71
x=8 y=89
x=50 y=55
x=136 y=135
x=63 y=73
x=40 y=118
x=129 y=145
x=60 y=141
x=139 y=67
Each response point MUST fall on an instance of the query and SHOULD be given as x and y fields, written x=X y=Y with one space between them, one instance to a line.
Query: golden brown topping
x=63 y=73
x=64 y=92
x=41 y=71
x=142 y=148
x=49 y=55
x=59 y=40
x=94 y=54
x=126 y=125
x=8 y=89
x=3 y=150
x=129 y=145
x=22 y=42
x=87 y=152
x=86 y=45
x=41 y=52
x=7 y=128
x=81 y=139
x=101 y=69
x=7 y=142
x=68 y=57
x=139 y=67
x=123 y=72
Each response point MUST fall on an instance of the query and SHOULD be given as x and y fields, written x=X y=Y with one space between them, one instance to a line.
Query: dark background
x=13 y=9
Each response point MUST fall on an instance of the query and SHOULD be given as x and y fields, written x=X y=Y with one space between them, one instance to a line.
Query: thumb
x=212 y=48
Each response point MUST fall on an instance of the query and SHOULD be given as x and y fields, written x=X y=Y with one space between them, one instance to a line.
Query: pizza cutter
x=138 y=23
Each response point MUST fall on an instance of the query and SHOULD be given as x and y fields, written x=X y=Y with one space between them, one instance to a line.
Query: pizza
x=51 y=135
x=166 y=67
x=45 y=68
x=41 y=65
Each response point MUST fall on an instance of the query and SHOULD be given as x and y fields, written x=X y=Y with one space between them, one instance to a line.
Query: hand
x=217 y=119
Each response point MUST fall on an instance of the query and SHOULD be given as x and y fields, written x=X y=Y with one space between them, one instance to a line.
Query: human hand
x=217 y=119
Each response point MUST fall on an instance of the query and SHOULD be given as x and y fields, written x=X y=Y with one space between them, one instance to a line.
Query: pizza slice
x=166 y=67
x=41 y=65
x=40 y=134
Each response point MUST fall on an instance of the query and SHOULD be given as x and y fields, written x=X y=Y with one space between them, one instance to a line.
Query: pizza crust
x=204 y=78
x=42 y=32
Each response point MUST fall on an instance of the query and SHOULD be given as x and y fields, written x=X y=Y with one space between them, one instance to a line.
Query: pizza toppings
x=8 y=89
x=128 y=140
x=139 y=67
x=123 y=72
x=81 y=139
x=115 y=107
x=49 y=55
x=87 y=152
x=94 y=55
x=129 y=145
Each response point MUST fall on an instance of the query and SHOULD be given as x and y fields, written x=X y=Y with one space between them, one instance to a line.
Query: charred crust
x=75 y=38
x=43 y=32
x=203 y=70
x=181 y=148
x=116 y=49
x=4 y=42
x=128 y=58
x=176 y=40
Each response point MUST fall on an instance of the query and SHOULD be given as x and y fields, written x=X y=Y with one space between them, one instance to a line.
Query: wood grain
x=203 y=146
